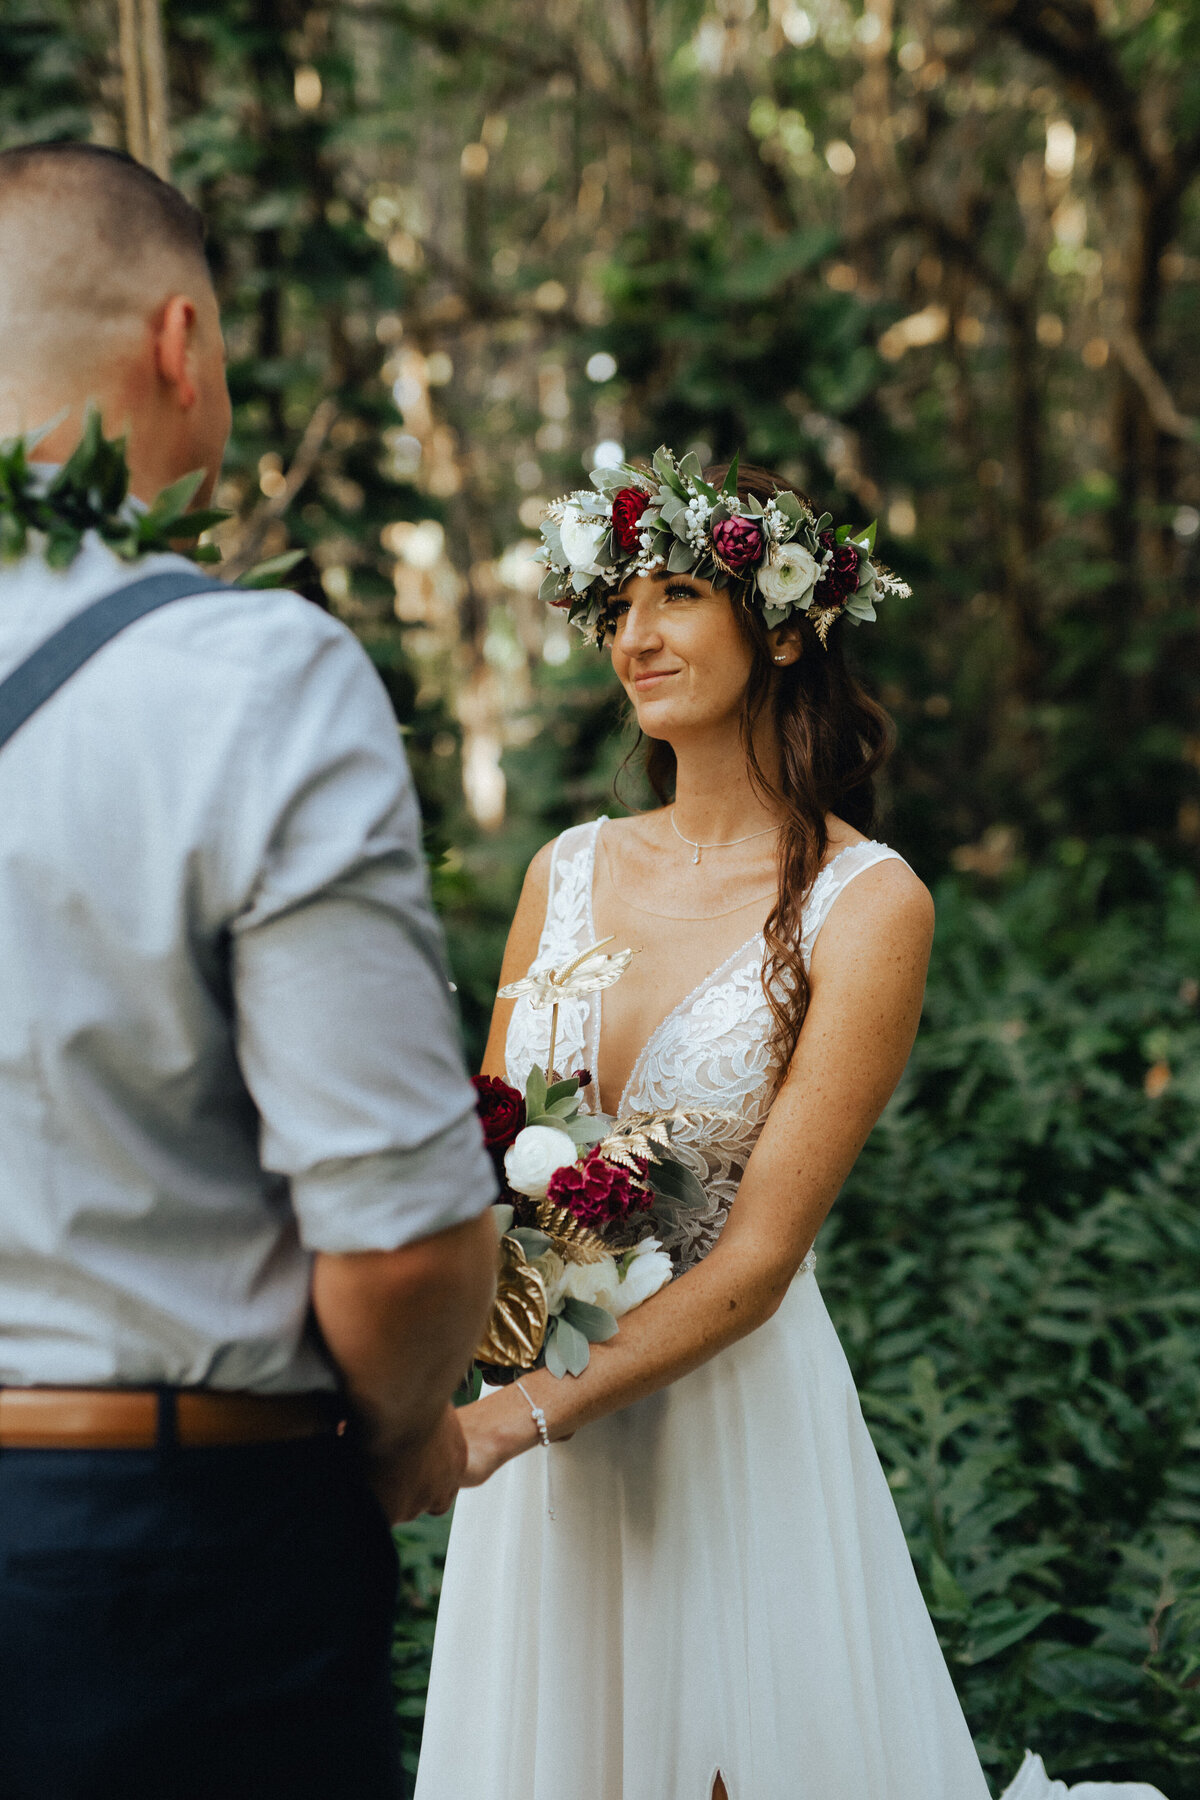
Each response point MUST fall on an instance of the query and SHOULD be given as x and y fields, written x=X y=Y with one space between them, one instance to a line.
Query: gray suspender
x=33 y=682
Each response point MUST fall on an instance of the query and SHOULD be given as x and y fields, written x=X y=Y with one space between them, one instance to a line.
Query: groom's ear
x=176 y=351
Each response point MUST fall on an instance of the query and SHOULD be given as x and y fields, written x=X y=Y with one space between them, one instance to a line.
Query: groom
x=244 y=1253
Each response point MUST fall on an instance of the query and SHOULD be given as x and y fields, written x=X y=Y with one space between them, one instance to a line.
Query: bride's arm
x=524 y=936
x=867 y=979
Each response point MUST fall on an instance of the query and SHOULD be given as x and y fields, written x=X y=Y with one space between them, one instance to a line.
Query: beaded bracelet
x=539 y=1417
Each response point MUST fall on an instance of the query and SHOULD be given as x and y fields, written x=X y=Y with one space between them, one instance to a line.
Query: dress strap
x=834 y=878
x=568 y=919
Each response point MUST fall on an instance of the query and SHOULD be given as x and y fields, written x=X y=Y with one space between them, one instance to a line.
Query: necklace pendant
x=696 y=858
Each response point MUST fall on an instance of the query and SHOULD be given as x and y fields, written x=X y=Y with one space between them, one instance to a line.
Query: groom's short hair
x=129 y=208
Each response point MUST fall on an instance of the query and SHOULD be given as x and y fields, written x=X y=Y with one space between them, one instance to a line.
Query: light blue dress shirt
x=226 y=1035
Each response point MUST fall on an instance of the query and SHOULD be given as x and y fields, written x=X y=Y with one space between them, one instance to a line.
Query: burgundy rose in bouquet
x=629 y=504
x=738 y=543
x=501 y=1112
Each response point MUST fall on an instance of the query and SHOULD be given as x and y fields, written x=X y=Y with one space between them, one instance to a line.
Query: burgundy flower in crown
x=628 y=506
x=841 y=577
x=597 y=1192
x=738 y=543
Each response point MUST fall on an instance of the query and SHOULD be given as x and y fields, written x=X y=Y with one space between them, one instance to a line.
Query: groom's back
x=163 y=815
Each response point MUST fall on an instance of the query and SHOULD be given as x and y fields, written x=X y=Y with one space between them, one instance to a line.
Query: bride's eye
x=679 y=590
x=613 y=614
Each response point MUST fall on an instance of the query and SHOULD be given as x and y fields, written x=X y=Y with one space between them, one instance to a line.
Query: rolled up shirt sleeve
x=347 y=1036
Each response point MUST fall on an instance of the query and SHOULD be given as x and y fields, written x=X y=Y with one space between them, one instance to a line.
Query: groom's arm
x=402 y=1325
x=348 y=1042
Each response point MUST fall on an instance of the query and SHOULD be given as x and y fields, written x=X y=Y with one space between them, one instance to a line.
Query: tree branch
x=538 y=58
x=1067 y=35
x=1153 y=389
x=245 y=552
x=953 y=244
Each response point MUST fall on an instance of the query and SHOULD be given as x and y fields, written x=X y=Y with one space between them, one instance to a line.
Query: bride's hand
x=495 y=1431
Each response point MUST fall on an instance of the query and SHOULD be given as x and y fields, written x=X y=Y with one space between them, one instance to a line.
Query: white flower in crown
x=788 y=576
x=589 y=972
x=582 y=538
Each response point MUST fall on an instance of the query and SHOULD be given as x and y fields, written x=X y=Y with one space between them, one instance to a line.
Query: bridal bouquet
x=576 y=1253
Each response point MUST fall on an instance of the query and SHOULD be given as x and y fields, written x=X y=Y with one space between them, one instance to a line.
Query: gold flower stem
x=553 y=1036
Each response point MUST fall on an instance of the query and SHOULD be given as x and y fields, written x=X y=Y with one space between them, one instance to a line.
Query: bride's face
x=678 y=654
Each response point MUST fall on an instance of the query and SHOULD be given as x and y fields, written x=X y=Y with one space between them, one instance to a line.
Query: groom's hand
x=422 y=1478
x=402 y=1326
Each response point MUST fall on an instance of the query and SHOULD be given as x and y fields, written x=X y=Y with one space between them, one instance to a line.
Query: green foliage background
x=937 y=260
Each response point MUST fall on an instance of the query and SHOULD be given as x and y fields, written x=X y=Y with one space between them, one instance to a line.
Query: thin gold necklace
x=727 y=845
x=679 y=918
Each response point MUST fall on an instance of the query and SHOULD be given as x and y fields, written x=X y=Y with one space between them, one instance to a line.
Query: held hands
x=422 y=1478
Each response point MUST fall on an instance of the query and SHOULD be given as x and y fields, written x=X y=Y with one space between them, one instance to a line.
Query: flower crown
x=780 y=554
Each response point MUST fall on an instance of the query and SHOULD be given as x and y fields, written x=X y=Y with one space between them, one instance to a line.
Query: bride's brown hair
x=833 y=739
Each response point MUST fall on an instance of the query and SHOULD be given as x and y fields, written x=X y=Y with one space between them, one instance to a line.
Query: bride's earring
x=779 y=657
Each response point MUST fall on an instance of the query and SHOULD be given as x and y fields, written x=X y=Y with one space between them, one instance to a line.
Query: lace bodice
x=711 y=1053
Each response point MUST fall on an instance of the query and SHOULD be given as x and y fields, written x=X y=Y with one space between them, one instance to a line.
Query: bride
x=699 y=1589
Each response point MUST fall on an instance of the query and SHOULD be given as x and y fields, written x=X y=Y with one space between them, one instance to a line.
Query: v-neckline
x=680 y=1006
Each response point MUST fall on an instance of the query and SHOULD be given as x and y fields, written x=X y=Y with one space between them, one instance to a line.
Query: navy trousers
x=185 y=1624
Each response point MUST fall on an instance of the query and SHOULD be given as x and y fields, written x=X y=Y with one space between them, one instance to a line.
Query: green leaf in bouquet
x=585 y=1128
x=533 y=1242
x=563 y=1108
x=731 y=480
x=672 y=1181
x=535 y=1093
x=551 y=1352
x=548 y=589
x=561 y=1090
x=595 y=1322
x=571 y=1346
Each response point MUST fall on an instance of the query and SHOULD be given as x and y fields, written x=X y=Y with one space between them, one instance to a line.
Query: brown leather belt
x=128 y=1419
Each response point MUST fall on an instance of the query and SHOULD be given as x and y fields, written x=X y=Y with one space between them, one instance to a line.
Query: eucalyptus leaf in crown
x=779 y=556
x=90 y=492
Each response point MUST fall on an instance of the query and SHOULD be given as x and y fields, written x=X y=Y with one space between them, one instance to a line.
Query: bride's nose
x=638 y=628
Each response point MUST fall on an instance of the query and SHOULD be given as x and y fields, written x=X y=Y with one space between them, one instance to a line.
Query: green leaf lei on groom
x=90 y=492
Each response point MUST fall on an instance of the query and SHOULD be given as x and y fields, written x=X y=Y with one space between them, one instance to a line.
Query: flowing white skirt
x=724 y=1586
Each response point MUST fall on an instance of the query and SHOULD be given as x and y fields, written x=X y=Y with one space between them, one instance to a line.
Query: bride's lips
x=648 y=679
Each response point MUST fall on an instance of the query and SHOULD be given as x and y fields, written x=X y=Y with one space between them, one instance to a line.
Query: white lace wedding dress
x=714 y=1578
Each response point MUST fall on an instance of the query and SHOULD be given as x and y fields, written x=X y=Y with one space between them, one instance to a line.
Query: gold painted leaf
x=573 y=1241
x=516 y=1329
